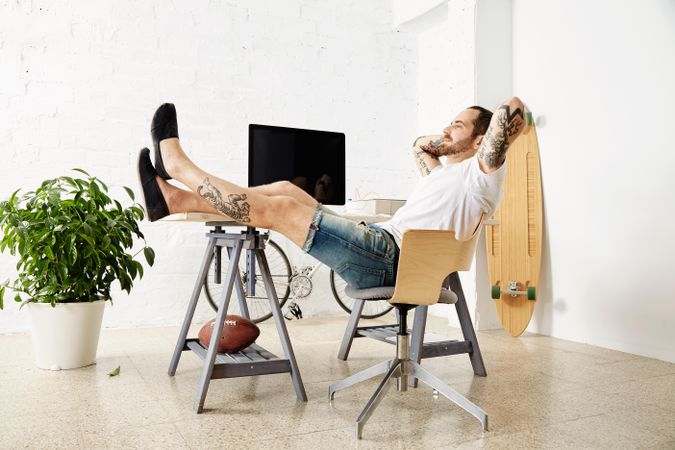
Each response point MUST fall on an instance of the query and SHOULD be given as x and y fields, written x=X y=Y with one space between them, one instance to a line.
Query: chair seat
x=387 y=292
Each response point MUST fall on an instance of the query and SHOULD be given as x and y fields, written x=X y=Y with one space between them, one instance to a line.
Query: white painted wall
x=445 y=33
x=600 y=77
x=493 y=84
x=79 y=82
x=464 y=59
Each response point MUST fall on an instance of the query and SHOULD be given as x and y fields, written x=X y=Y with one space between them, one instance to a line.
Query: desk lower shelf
x=253 y=360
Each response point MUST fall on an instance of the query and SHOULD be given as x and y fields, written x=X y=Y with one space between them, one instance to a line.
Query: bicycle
x=289 y=282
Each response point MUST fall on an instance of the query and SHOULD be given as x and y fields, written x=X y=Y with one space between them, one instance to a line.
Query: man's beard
x=457 y=147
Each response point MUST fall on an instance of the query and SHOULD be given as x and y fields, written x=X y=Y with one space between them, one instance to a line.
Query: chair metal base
x=402 y=369
x=418 y=349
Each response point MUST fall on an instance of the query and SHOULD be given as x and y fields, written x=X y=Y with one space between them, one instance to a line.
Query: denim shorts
x=364 y=255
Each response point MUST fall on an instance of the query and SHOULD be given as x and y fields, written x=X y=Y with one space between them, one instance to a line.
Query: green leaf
x=115 y=372
x=149 y=255
x=103 y=185
x=131 y=268
x=130 y=192
x=63 y=271
x=82 y=171
x=73 y=253
x=139 y=268
x=95 y=189
x=70 y=181
x=49 y=253
x=2 y=296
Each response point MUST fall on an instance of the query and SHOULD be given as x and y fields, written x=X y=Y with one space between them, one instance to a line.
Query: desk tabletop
x=222 y=220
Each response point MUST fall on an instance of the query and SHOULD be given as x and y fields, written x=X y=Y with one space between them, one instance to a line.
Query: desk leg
x=281 y=325
x=201 y=279
x=239 y=286
x=207 y=370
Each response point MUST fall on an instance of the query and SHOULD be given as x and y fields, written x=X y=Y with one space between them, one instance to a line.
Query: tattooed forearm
x=421 y=164
x=505 y=127
x=235 y=206
x=424 y=153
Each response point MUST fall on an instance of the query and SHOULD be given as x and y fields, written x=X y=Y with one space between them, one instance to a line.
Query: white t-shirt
x=451 y=197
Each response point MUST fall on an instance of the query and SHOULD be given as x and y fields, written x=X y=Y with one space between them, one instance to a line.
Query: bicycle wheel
x=258 y=304
x=371 y=309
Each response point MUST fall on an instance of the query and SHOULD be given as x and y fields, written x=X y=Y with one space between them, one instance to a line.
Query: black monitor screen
x=313 y=160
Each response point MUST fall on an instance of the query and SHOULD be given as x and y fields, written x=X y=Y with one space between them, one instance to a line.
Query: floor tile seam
x=290 y=433
x=150 y=387
x=92 y=395
x=636 y=358
x=80 y=441
x=525 y=427
x=118 y=406
x=10 y=367
x=630 y=380
x=631 y=356
x=582 y=437
x=593 y=350
x=576 y=386
x=585 y=385
x=116 y=429
x=580 y=358
x=621 y=418
x=43 y=411
x=177 y=430
x=273 y=439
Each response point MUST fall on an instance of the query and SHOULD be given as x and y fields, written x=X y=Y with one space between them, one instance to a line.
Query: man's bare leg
x=181 y=201
x=286 y=188
x=283 y=214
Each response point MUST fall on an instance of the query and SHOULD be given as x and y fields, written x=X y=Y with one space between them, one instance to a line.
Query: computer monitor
x=313 y=160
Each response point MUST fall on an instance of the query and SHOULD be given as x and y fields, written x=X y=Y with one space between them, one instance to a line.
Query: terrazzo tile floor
x=540 y=392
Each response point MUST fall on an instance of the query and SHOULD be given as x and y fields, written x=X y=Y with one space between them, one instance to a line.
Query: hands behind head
x=434 y=148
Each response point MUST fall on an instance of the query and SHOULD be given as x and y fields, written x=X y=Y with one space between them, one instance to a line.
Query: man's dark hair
x=482 y=122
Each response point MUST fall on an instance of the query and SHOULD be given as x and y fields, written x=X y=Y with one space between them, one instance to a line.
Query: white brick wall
x=79 y=82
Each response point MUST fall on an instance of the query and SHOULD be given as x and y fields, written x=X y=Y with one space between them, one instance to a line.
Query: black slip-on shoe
x=164 y=126
x=155 y=205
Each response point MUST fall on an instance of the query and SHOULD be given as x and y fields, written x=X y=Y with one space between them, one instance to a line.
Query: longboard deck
x=514 y=241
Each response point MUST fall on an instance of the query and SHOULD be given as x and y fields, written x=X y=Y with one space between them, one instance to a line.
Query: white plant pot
x=66 y=336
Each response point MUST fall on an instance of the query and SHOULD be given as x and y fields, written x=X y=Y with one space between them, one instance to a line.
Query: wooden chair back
x=427 y=258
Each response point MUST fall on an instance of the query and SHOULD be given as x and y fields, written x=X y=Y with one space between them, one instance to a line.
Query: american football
x=238 y=333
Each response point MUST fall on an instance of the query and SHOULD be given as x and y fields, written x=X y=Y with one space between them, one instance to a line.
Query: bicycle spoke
x=371 y=309
x=258 y=303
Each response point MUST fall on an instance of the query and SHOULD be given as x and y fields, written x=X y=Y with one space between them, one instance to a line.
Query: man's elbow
x=418 y=140
x=515 y=103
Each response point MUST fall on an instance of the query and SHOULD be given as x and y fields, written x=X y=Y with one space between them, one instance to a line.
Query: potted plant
x=72 y=241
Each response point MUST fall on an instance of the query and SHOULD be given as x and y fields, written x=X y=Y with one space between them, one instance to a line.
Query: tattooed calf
x=235 y=206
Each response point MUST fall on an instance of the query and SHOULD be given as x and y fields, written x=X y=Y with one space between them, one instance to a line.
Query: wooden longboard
x=514 y=237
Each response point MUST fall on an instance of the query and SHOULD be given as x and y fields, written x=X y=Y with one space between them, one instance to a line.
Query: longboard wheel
x=496 y=292
x=531 y=293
